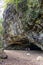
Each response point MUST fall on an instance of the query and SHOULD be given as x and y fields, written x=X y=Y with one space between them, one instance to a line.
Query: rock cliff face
x=24 y=23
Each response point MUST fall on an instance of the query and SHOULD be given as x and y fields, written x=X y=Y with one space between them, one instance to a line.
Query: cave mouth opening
x=23 y=47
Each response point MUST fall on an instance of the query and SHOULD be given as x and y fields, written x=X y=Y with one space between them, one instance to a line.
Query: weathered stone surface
x=24 y=22
x=3 y=54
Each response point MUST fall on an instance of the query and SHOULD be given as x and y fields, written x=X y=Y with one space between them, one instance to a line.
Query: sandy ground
x=16 y=57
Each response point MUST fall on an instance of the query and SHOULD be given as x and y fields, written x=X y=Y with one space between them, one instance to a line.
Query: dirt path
x=16 y=57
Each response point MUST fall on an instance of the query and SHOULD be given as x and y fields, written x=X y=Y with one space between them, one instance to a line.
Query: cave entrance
x=23 y=47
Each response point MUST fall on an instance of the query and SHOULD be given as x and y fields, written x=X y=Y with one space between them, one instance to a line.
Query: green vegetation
x=0 y=44
x=30 y=3
x=13 y=2
x=1 y=27
x=1 y=31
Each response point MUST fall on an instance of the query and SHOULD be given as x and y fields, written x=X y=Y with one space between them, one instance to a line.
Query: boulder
x=3 y=54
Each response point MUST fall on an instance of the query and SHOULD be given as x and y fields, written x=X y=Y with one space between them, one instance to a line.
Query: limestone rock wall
x=25 y=22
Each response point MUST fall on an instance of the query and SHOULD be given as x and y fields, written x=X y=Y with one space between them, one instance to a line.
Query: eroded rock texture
x=24 y=23
x=2 y=53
